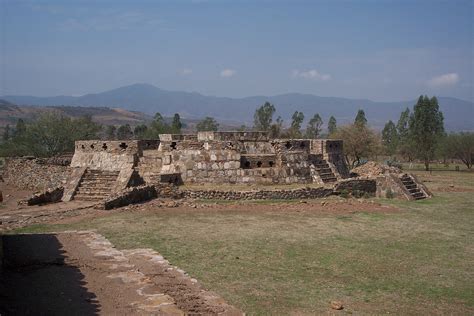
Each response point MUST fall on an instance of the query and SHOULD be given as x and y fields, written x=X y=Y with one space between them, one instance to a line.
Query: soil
x=55 y=274
x=81 y=273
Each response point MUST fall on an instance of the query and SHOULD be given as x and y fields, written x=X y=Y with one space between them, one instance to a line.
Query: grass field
x=417 y=260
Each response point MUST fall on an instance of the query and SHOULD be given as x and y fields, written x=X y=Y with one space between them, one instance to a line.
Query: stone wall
x=34 y=174
x=357 y=186
x=304 y=193
x=130 y=196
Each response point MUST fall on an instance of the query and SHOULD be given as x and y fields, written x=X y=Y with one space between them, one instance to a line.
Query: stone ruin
x=100 y=168
x=129 y=171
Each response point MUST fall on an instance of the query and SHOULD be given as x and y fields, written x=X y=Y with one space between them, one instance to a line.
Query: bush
x=344 y=193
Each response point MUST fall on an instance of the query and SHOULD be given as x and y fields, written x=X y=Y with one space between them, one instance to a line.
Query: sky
x=380 y=50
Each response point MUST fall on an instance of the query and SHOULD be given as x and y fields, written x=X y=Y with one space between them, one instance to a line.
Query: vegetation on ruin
x=286 y=259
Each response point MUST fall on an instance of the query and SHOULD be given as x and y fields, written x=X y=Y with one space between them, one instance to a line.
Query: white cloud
x=186 y=71
x=444 y=80
x=226 y=73
x=310 y=74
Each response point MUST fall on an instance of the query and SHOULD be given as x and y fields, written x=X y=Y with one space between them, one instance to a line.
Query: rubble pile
x=372 y=169
x=34 y=174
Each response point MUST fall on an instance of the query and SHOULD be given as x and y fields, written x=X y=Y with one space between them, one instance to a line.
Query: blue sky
x=380 y=50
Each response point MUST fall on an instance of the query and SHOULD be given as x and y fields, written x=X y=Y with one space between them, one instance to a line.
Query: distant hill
x=150 y=99
x=10 y=113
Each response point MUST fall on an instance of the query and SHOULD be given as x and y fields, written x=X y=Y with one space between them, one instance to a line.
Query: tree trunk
x=427 y=165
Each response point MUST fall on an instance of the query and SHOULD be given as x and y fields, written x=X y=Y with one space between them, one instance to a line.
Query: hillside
x=150 y=99
x=10 y=113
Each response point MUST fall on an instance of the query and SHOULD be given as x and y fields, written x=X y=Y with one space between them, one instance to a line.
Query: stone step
x=411 y=186
x=92 y=191
x=97 y=183
x=414 y=190
x=420 y=197
x=89 y=197
x=329 y=180
x=99 y=177
x=418 y=194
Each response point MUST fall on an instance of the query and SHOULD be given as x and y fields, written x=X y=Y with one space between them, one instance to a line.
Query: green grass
x=415 y=261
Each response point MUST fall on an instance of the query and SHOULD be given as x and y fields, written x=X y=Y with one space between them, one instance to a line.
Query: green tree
x=6 y=133
x=461 y=146
x=263 y=117
x=176 y=125
x=208 y=124
x=296 y=120
x=85 y=128
x=110 y=132
x=405 y=145
x=359 y=142
x=426 y=127
x=140 y=131
x=157 y=126
x=313 y=130
x=124 y=132
x=332 y=125
x=390 y=138
x=20 y=128
x=276 y=129
x=360 y=119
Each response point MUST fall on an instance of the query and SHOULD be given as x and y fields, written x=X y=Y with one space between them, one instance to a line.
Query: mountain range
x=149 y=99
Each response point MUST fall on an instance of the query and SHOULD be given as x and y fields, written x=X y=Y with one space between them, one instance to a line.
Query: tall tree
x=124 y=132
x=276 y=129
x=6 y=133
x=405 y=145
x=208 y=124
x=176 y=125
x=426 y=127
x=110 y=132
x=263 y=117
x=332 y=125
x=390 y=138
x=360 y=119
x=296 y=120
x=313 y=130
x=140 y=131
x=20 y=128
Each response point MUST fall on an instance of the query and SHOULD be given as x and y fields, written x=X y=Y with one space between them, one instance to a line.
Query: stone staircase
x=324 y=171
x=412 y=187
x=96 y=185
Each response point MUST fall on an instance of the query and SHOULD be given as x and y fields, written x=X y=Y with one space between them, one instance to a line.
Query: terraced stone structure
x=100 y=168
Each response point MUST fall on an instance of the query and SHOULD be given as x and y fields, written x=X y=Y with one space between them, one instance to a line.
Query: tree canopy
x=263 y=117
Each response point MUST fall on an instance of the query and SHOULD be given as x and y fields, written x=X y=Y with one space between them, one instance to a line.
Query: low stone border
x=46 y=197
x=304 y=193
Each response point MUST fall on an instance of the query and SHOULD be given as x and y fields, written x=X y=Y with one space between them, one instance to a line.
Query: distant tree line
x=418 y=134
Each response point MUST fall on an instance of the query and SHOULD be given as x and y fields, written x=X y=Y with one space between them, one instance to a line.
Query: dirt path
x=81 y=273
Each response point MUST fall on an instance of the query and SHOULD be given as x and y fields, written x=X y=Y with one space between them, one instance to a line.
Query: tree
x=426 y=127
x=359 y=142
x=276 y=129
x=390 y=138
x=20 y=128
x=461 y=146
x=360 y=119
x=405 y=145
x=332 y=125
x=124 y=132
x=140 y=131
x=176 y=125
x=6 y=133
x=313 y=130
x=85 y=128
x=208 y=124
x=263 y=117
x=157 y=126
x=296 y=121
x=110 y=132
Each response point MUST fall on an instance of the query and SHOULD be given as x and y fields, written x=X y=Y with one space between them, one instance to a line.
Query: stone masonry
x=101 y=168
